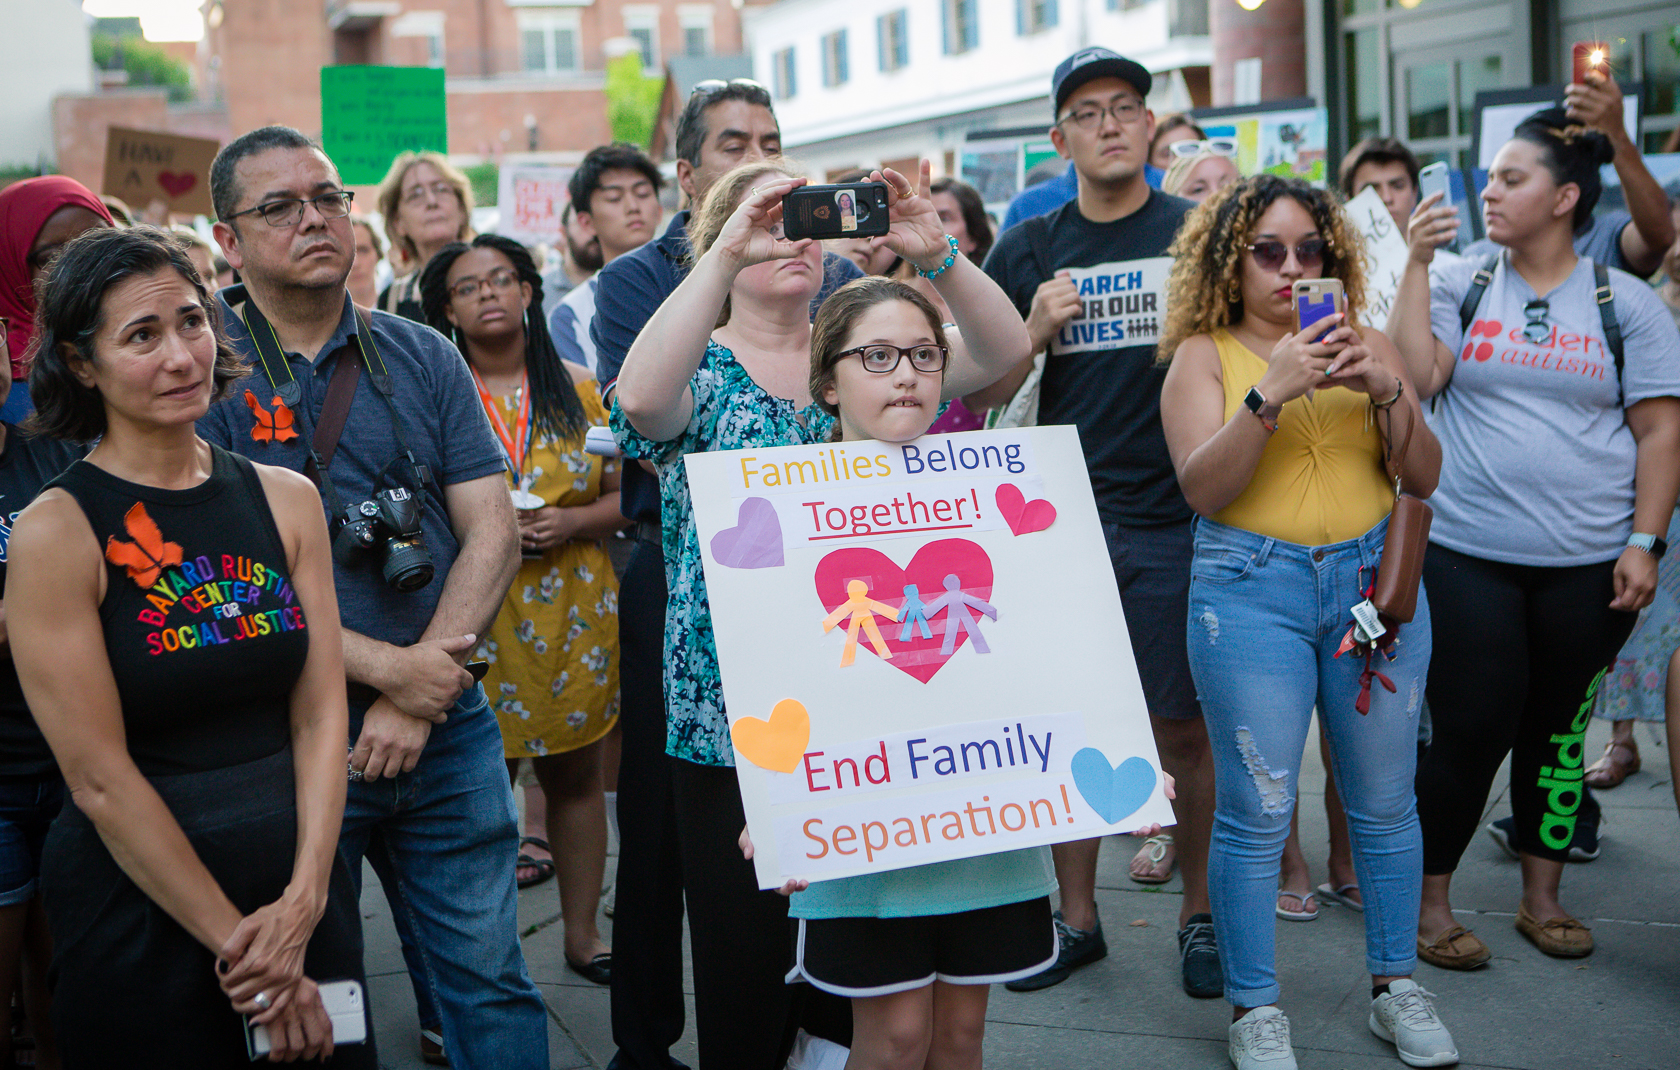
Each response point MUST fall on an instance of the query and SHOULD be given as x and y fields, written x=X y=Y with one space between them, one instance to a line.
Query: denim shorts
x=1152 y=569
x=27 y=808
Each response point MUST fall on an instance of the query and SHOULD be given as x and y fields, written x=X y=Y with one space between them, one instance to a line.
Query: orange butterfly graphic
x=148 y=555
x=273 y=426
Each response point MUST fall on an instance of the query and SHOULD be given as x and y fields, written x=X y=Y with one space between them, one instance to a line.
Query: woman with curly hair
x=1279 y=441
x=553 y=649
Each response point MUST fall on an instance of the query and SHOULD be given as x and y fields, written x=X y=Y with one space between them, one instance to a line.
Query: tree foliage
x=146 y=64
x=632 y=100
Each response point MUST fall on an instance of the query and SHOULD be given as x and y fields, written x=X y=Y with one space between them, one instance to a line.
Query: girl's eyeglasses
x=882 y=359
x=1219 y=146
x=1270 y=255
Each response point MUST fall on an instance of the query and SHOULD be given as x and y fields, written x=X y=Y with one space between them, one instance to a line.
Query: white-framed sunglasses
x=1219 y=146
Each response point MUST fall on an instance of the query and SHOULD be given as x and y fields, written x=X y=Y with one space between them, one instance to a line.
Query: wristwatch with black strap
x=1259 y=406
x=1651 y=544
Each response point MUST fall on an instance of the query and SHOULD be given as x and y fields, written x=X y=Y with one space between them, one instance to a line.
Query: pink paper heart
x=1023 y=516
x=754 y=542
x=917 y=656
x=176 y=183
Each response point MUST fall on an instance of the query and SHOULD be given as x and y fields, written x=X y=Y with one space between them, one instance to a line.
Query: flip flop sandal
x=1156 y=846
x=543 y=866
x=1340 y=896
x=1297 y=915
x=1610 y=770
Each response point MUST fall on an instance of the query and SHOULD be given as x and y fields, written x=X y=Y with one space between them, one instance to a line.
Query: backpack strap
x=1478 y=287
x=1038 y=240
x=1606 y=298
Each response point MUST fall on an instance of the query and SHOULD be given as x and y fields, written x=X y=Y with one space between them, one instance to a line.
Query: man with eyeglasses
x=443 y=843
x=1090 y=280
x=723 y=125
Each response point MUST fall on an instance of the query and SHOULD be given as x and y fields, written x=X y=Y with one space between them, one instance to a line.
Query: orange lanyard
x=518 y=442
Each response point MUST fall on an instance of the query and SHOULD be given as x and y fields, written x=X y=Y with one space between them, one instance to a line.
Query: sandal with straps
x=1154 y=850
x=1611 y=769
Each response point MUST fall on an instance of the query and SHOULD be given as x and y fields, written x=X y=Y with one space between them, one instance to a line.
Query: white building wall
x=49 y=56
x=932 y=101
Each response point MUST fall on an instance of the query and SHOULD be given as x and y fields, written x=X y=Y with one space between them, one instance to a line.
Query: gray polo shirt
x=443 y=422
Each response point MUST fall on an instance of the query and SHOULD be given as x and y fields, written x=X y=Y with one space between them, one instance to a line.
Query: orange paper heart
x=778 y=743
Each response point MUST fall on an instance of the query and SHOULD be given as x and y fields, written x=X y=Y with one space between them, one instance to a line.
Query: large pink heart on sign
x=176 y=183
x=917 y=655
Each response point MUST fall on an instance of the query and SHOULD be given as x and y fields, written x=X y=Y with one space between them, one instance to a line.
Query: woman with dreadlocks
x=1279 y=443
x=553 y=650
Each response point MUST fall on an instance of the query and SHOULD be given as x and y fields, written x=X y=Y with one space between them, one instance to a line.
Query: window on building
x=695 y=21
x=962 y=25
x=641 y=25
x=1032 y=16
x=548 y=41
x=893 y=41
x=426 y=27
x=782 y=77
x=834 y=58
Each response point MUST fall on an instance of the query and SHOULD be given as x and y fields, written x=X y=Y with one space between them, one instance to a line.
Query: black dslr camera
x=390 y=523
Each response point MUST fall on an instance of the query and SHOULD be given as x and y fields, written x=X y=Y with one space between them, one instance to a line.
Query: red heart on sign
x=1021 y=515
x=917 y=656
x=176 y=183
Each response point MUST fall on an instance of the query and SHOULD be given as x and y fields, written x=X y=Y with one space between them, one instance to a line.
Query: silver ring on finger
x=262 y=1001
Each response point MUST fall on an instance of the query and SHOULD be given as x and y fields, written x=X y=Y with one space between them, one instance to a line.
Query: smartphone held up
x=1589 y=56
x=1315 y=299
x=848 y=210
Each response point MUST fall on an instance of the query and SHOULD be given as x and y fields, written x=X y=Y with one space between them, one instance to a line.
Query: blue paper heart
x=1114 y=792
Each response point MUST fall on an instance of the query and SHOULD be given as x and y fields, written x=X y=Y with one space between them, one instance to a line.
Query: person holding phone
x=175 y=628
x=725 y=364
x=1280 y=442
x=1561 y=472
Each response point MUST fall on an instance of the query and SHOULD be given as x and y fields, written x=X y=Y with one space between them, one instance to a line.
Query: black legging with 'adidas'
x=1519 y=652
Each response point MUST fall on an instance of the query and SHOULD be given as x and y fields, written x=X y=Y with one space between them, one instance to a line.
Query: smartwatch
x=1259 y=406
x=1651 y=544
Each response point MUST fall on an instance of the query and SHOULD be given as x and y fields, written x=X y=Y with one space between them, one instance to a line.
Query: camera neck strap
x=341 y=389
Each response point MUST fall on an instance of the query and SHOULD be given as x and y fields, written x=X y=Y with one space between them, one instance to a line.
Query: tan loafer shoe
x=1564 y=938
x=1456 y=949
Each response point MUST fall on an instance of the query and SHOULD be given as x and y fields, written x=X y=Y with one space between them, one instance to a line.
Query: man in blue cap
x=1090 y=279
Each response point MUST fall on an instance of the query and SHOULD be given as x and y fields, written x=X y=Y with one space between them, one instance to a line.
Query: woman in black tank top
x=176 y=633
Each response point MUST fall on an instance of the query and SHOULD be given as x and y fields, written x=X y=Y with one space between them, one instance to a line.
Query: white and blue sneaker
x=1406 y=1018
x=1259 y=1040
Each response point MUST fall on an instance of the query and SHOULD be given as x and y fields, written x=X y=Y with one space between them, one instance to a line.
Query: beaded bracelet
x=942 y=268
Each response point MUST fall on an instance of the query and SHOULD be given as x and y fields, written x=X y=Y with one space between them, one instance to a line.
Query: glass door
x=1434 y=92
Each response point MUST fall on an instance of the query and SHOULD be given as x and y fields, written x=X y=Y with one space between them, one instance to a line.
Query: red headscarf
x=24 y=209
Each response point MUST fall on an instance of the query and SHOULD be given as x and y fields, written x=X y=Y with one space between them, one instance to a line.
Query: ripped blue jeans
x=1266 y=618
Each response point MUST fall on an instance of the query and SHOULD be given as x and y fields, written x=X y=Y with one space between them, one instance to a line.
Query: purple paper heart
x=754 y=542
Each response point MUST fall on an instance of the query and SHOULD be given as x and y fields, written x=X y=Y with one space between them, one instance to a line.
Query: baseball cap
x=1096 y=62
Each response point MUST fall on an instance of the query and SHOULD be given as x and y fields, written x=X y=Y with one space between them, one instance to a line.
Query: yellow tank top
x=1321 y=478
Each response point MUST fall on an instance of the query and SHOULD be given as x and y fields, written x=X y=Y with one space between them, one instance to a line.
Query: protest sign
x=146 y=166
x=370 y=114
x=1288 y=137
x=923 y=651
x=531 y=200
x=1385 y=254
x=1124 y=304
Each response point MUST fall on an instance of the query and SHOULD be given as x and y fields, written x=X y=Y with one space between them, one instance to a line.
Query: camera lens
x=408 y=564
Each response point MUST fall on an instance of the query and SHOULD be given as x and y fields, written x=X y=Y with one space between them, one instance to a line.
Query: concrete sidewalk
x=1617 y=1010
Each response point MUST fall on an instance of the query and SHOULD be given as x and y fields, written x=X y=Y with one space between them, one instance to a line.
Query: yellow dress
x=553 y=650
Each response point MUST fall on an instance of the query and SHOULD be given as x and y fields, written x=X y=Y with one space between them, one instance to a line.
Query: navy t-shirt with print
x=443 y=422
x=26 y=465
x=1100 y=374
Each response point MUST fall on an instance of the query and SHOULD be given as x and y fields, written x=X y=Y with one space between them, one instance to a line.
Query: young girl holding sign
x=915 y=949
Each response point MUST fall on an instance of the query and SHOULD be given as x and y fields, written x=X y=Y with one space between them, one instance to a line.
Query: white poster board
x=1006 y=713
x=1385 y=254
x=532 y=200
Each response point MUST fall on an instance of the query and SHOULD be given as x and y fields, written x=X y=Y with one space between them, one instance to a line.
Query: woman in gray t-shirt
x=1560 y=471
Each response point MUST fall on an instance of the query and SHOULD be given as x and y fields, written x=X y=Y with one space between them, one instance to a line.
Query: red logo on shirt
x=1482 y=329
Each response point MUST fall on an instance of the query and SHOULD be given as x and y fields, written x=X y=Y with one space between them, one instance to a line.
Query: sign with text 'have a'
x=144 y=167
x=923 y=651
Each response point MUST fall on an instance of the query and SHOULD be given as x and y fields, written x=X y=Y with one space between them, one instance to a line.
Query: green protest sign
x=369 y=114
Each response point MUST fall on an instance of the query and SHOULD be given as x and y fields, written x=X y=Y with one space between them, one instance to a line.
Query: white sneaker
x=1406 y=1018
x=1260 y=1041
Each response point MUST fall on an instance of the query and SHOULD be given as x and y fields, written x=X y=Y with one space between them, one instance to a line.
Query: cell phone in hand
x=1589 y=56
x=1316 y=298
x=344 y=1006
x=1435 y=179
x=847 y=210
x=478 y=669
x=600 y=442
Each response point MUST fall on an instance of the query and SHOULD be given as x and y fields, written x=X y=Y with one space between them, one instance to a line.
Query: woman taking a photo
x=553 y=649
x=725 y=364
x=175 y=628
x=1279 y=442
x=1562 y=462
